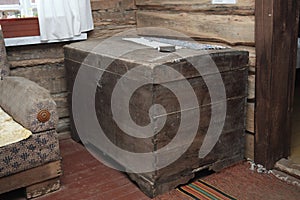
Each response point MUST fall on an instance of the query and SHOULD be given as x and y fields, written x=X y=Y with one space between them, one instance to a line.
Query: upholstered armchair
x=29 y=147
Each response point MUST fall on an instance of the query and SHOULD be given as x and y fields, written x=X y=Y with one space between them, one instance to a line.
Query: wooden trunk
x=229 y=149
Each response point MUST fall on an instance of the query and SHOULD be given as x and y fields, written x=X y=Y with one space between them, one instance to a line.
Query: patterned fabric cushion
x=35 y=151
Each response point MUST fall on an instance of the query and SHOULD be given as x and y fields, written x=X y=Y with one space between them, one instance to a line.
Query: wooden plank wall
x=111 y=17
x=227 y=25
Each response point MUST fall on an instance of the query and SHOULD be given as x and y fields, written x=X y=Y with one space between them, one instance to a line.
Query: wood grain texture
x=243 y=7
x=252 y=56
x=251 y=87
x=249 y=147
x=113 y=18
x=42 y=188
x=49 y=76
x=250 y=118
x=62 y=106
x=30 y=177
x=232 y=67
x=276 y=45
x=64 y=135
x=34 y=62
x=63 y=125
x=35 y=52
x=112 y=5
x=233 y=30
x=108 y=31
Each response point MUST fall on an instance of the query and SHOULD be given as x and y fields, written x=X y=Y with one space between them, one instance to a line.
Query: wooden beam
x=229 y=29
x=242 y=7
x=249 y=146
x=251 y=87
x=30 y=177
x=276 y=45
x=42 y=188
x=250 y=118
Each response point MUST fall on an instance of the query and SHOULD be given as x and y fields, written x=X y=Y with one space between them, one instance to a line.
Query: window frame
x=25 y=7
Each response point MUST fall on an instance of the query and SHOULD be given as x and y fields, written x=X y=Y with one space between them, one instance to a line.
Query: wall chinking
x=227 y=25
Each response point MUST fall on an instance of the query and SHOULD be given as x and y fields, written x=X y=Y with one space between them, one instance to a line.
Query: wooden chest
x=171 y=80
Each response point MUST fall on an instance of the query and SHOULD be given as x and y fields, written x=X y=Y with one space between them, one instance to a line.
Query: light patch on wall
x=224 y=1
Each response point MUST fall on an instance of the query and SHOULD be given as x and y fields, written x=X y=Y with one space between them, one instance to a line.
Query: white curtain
x=64 y=19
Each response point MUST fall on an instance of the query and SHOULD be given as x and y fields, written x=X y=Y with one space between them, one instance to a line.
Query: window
x=20 y=25
x=17 y=8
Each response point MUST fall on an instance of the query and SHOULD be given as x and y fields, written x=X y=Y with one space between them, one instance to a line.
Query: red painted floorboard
x=85 y=178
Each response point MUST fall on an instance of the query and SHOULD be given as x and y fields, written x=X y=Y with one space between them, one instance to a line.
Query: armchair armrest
x=28 y=103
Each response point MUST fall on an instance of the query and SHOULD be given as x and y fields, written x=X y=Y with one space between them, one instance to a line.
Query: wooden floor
x=295 y=143
x=85 y=178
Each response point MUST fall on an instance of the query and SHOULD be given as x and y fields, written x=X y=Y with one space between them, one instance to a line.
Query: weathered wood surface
x=4 y=66
x=63 y=125
x=30 y=177
x=252 y=56
x=232 y=133
x=181 y=170
x=105 y=18
x=34 y=62
x=64 y=135
x=39 y=63
x=24 y=100
x=62 y=106
x=243 y=7
x=50 y=76
x=250 y=118
x=276 y=45
x=249 y=147
x=288 y=166
x=108 y=31
x=233 y=29
x=35 y=52
x=112 y=4
x=42 y=188
x=230 y=149
x=225 y=60
x=112 y=17
x=251 y=87
x=251 y=50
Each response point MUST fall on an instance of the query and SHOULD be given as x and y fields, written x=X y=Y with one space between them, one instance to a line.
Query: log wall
x=227 y=25
x=44 y=63
x=111 y=17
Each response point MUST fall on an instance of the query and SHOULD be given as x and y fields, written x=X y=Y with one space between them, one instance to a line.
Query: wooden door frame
x=276 y=24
